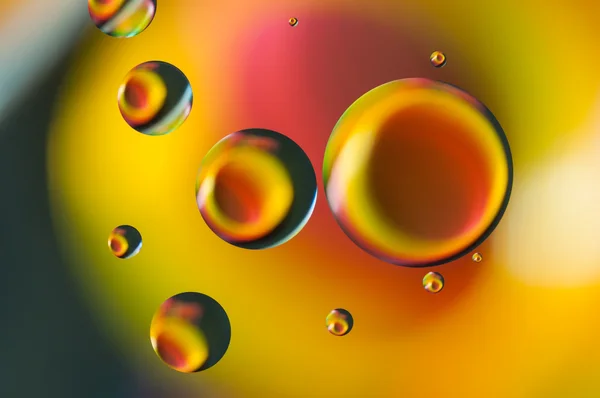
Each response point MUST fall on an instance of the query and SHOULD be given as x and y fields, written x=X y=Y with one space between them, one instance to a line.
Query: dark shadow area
x=48 y=342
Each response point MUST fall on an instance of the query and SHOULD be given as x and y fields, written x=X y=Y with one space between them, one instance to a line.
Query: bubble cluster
x=293 y=21
x=155 y=98
x=433 y=282
x=122 y=18
x=417 y=172
x=256 y=189
x=438 y=59
x=339 y=322
x=477 y=257
x=190 y=332
x=125 y=241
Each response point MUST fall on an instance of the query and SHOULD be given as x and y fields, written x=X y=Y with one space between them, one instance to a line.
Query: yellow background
x=522 y=323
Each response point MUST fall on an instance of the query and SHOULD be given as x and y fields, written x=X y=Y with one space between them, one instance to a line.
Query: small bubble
x=122 y=18
x=293 y=21
x=190 y=332
x=339 y=322
x=155 y=98
x=125 y=241
x=477 y=257
x=433 y=282
x=438 y=59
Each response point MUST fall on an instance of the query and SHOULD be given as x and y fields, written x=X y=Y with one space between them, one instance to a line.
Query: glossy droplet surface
x=125 y=241
x=155 y=98
x=339 y=322
x=477 y=257
x=293 y=21
x=417 y=172
x=256 y=189
x=438 y=59
x=190 y=332
x=122 y=18
x=433 y=282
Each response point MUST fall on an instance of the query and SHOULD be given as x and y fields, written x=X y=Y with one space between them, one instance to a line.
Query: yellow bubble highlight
x=349 y=156
x=141 y=96
x=244 y=192
x=179 y=344
x=103 y=9
x=477 y=257
x=338 y=322
x=117 y=242
x=438 y=59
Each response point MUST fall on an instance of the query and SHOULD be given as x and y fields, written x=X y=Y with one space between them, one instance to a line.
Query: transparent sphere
x=433 y=282
x=339 y=322
x=438 y=59
x=125 y=241
x=155 y=98
x=190 y=332
x=256 y=189
x=417 y=172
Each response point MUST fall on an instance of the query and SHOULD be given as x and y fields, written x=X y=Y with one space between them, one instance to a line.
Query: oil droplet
x=155 y=98
x=293 y=21
x=122 y=18
x=125 y=241
x=190 y=332
x=417 y=172
x=256 y=189
x=438 y=59
x=339 y=322
x=477 y=257
x=433 y=282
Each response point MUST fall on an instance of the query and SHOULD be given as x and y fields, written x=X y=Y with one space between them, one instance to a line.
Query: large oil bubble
x=155 y=98
x=256 y=189
x=417 y=172
x=122 y=18
x=190 y=332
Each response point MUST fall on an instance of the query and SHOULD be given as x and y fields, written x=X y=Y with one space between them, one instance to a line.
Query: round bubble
x=433 y=282
x=256 y=189
x=417 y=172
x=190 y=332
x=438 y=59
x=122 y=18
x=339 y=322
x=155 y=98
x=477 y=257
x=293 y=21
x=125 y=241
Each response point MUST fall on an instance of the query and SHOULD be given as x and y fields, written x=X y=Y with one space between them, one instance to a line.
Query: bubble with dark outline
x=339 y=322
x=155 y=98
x=125 y=241
x=504 y=203
x=301 y=175
x=190 y=332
